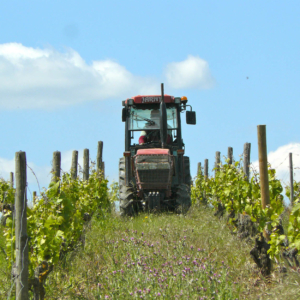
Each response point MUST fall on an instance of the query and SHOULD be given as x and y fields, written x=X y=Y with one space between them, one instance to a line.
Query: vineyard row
x=38 y=237
x=254 y=205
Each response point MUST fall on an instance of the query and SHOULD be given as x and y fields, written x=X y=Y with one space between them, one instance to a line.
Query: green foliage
x=7 y=199
x=114 y=192
x=230 y=188
x=55 y=224
x=197 y=191
x=296 y=186
x=294 y=227
x=7 y=194
x=240 y=196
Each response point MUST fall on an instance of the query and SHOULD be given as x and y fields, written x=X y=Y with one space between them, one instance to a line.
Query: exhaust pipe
x=163 y=119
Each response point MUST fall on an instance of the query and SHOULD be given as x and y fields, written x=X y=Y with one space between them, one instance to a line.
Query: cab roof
x=149 y=99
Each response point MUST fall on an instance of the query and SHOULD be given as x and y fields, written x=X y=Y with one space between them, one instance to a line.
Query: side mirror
x=191 y=117
x=124 y=114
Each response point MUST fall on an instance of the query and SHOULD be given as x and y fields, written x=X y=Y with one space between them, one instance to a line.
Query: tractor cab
x=154 y=165
x=144 y=121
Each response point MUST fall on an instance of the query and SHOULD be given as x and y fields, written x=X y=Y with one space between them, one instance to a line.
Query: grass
x=166 y=256
x=163 y=256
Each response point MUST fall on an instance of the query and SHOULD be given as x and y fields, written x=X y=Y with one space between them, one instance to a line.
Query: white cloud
x=46 y=78
x=32 y=78
x=6 y=166
x=279 y=160
x=191 y=73
x=42 y=173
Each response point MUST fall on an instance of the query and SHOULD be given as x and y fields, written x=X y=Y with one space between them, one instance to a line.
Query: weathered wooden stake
x=263 y=168
x=99 y=156
x=86 y=164
x=199 y=171
x=33 y=198
x=21 y=227
x=11 y=180
x=246 y=160
x=291 y=178
x=74 y=164
x=217 y=163
x=230 y=155
x=263 y=165
x=206 y=168
x=56 y=163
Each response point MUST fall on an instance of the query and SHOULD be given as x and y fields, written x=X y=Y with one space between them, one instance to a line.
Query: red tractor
x=154 y=174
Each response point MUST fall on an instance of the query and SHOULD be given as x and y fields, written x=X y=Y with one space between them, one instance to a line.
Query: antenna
x=163 y=119
x=162 y=93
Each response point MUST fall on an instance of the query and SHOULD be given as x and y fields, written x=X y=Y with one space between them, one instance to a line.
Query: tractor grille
x=154 y=176
x=153 y=172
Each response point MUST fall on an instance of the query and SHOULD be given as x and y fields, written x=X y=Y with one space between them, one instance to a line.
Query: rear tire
x=127 y=193
x=183 y=199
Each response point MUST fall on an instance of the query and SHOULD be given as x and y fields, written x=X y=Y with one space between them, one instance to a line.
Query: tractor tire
x=187 y=171
x=126 y=201
x=183 y=199
x=121 y=172
x=128 y=207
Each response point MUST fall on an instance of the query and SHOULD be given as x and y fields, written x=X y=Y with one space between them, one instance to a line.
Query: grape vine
x=231 y=191
x=56 y=222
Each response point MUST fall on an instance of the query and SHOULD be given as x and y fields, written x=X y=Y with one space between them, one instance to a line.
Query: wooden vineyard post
x=230 y=155
x=206 y=168
x=103 y=169
x=291 y=178
x=56 y=166
x=99 y=156
x=11 y=180
x=74 y=164
x=217 y=163
x=205 y=177
x=199 y=171
x=86 y=164
x=21 y=227
x=246 y=160
x=263 y=168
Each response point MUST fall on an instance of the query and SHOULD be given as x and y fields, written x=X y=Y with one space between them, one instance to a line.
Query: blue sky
x=65 y=67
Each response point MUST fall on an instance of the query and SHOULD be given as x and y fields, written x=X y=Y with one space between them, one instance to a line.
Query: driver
x=150 y=136
x=153 y=135
x=143 y=137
